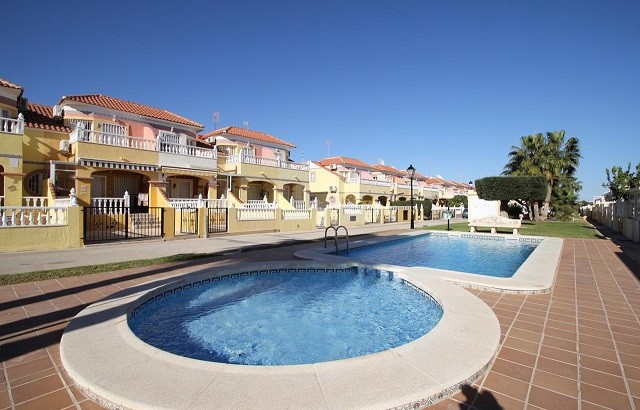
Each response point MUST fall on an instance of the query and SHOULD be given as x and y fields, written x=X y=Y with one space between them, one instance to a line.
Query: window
x=34 y=182
x=4 y=114
x=247 y=151
x=312 y=176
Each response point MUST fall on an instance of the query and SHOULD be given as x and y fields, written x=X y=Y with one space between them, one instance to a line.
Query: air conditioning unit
x=333 y=167
x=23 y=103
x=57 y=111
x=64 y=146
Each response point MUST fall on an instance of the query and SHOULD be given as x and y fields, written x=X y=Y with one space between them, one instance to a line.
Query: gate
x=106 y=224
x=218 y=219
x=189 y=220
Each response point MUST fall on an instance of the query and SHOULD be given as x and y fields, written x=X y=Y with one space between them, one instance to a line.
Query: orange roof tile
x=246 y=133
x=41 y=117
x=130 y=107
x=346 y=161
x=9 y=84
x=389 y=169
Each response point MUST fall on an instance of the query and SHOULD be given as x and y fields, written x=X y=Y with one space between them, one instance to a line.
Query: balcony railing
x=358 y=180
x=267 y=162
x=116 y=140
x=189 y=150
x=12 y=125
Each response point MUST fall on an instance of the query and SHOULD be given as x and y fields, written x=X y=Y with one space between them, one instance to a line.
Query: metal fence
x=99 y=226
x=218 y=219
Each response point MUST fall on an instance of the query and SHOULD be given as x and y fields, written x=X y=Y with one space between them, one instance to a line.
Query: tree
x=524 y=189
x=620 y=181
x=549 y=156
x=459 y=199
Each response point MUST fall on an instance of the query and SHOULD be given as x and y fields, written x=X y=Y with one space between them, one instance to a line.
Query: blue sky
x=446 y=86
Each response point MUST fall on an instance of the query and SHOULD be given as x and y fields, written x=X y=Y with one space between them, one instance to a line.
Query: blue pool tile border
x=162 y=293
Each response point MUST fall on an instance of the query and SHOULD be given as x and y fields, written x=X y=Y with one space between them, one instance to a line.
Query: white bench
x=495 y=222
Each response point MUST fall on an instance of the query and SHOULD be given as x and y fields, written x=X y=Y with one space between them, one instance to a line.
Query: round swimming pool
x=286 y=316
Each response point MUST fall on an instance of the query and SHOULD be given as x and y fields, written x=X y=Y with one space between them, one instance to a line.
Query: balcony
x=358 y=180
x=12 y=125
x=169 y=153
x=267 y=162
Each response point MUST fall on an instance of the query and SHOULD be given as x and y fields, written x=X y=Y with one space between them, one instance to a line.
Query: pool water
x=491 y=257
x=288 y=316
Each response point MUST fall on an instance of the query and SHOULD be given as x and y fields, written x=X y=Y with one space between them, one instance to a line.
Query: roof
x=247 y=133
x=392 y=170
x=327 y=170
x=41 y=117
x=100 y=100
x=9 y=84
x=346 y=161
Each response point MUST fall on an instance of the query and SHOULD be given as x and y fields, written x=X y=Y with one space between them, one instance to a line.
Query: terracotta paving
x=577 y=347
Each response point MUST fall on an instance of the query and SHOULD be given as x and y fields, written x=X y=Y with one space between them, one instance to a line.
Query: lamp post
x=411 y=170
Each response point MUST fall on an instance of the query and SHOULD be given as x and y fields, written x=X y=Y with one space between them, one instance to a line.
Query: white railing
x=32 y=216
x=178 y=203
x=118 y=140
x=259 y=204
x=267 y=162
x=37 y=201
x=296 y=214
x=189 y=150
x=244 y=214
x=111 y=205
x=352 y=209
x=297 y=203
x=11 y=125
x=353 y=180
x=216 y=203
x=375 y=182
x=62 y=202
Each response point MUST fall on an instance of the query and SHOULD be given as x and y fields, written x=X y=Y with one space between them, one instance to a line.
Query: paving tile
x=559 y=343
x=570 y=357
x=5 y=400
x=555 y=383
x=558 y=368
x=604 y=397
x=601 y=365
x=597 y=341
x=603 y=380
x=634 y=387
x=533 y=337
x=522 y=345
x=517 y=356
x=27 y=368
x=514 y=370
x=36 y=388
x=548 y=399
x=632 y=372
x=506 y=385
x=55 y=400
x=599 y=352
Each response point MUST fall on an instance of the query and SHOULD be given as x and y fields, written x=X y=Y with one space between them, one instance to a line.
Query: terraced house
x=97 y=168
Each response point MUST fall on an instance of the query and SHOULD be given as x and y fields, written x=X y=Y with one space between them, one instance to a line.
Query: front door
x=99 y=187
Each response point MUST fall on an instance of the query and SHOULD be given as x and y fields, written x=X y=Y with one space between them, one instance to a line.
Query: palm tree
x=548 y=156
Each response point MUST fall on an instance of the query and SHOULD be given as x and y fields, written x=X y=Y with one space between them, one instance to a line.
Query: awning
x=200 y=173
x=127 y=166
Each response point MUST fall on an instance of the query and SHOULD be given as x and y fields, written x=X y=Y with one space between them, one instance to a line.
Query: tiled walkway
x=575 y=348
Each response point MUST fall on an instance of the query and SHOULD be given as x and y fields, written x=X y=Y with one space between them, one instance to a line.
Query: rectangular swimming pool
x=490 y=256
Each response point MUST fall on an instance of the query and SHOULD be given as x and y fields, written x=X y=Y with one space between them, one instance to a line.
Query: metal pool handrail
x=335 y=236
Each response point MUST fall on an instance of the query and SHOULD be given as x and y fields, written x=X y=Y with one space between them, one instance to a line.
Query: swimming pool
x=109 y=363
x=287 y=316
x=535 y=274
x=480 y=255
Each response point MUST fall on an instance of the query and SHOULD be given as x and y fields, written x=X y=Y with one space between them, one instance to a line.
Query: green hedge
x=427 y=205
x=512 y=187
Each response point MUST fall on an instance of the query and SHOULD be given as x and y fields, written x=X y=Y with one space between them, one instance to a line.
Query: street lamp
x=411 y=170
